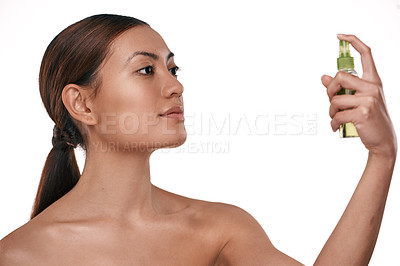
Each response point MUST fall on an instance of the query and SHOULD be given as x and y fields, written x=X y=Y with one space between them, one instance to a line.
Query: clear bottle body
x=347 y=130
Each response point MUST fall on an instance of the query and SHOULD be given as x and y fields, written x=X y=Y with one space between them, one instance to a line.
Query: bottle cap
x=344 y=61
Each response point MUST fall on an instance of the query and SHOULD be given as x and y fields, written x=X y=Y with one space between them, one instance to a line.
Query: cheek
x=139 y=124
x=129 y=114
x=124 y=96
x=126 y=110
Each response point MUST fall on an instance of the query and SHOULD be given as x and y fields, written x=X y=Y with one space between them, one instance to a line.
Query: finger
x=342 y=102
x=367 y=61
x=341 y=118
x=347 y=81
x=325 y=79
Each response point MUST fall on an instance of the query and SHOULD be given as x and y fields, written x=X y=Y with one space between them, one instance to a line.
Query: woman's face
x=138 y=85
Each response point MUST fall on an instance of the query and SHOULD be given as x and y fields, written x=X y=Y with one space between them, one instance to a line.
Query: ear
x=78 y=103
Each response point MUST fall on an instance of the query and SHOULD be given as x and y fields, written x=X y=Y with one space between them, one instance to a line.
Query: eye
x=146 y=70
x=174 y=70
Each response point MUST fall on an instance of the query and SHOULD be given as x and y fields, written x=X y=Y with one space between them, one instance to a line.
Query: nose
x=171 y=87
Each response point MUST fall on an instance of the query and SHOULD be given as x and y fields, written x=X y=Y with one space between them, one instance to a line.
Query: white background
x=240 y=61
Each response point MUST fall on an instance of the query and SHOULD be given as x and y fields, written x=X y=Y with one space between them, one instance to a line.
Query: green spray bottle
x=345 y=63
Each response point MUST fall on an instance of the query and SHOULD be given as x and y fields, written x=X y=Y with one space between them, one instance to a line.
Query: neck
x=117 y=184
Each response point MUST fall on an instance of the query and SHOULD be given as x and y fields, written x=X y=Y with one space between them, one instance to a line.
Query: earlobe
x=77 y=102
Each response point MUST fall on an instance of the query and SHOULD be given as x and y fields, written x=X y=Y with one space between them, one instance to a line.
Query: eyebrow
x=152 y=55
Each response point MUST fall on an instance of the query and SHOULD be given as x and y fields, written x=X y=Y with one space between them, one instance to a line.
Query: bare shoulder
x=20 y=246
x=218 y=212
x=229 y=216
x=232 y=221
x=10 y=248
x=244 y=241
x=210 y=207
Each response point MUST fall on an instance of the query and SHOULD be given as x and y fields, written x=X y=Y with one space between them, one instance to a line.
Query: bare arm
x=353 y=240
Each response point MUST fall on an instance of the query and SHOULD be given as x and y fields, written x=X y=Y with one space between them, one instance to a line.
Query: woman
x=109 y=84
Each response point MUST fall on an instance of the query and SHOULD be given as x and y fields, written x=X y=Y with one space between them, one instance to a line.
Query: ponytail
x=61 y=172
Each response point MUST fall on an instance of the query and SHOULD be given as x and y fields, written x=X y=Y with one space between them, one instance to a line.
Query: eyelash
x=175 y=69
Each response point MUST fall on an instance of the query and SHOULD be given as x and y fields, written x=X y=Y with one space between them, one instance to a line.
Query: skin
x=115 y=216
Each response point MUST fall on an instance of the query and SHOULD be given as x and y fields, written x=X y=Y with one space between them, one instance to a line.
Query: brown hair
x=72 y=57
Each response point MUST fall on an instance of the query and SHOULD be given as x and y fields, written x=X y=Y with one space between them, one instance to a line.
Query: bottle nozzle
x=344 y=61
x=344 y=49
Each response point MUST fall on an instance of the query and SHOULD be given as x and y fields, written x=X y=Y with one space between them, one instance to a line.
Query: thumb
x=326 y=80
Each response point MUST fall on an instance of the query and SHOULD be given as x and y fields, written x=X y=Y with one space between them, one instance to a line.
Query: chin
x=174 y=141
x=169 y=136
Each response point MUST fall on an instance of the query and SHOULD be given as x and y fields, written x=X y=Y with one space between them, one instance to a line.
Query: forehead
x=139 y=38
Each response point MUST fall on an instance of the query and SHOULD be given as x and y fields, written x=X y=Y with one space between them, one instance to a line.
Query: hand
x=369 y=113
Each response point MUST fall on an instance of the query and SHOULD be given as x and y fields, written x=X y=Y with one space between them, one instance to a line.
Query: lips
x=174 y=112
